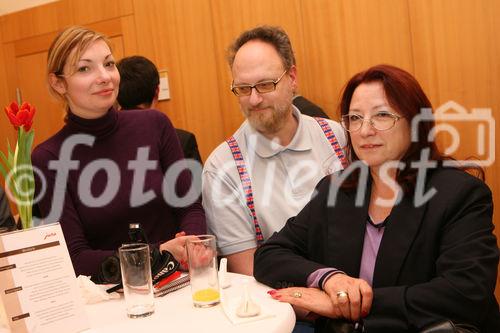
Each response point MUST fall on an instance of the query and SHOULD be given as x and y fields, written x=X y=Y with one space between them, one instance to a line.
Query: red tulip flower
x=20 y=117
x=15 y=166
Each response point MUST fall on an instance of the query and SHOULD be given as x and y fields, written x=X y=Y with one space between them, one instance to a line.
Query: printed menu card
x=38 y=286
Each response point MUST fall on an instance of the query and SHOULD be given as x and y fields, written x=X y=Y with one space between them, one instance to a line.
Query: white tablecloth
x=176 y=313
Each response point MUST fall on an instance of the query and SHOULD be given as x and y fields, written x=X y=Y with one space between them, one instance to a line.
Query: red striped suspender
x=247 y=185
x=245 y=177
x=330 y=136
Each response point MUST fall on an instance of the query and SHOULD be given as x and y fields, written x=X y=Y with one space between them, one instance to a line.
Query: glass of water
x=135 y=266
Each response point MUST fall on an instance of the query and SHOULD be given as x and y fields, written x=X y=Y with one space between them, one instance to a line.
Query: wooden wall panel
x=457 y=57
x=4 y=96
x=129 y=34
x=177 y=36
x=345 y=37
x=10 y=70
x=34 y=44
x=6 y=130
x=90 y=11
x=160 y=46
x=458 y=36
x=111 y=28
x=454 y=46
x=230 y=19
x=464 y=66
x=117 y=47
x=32 y=78
x=36 y=21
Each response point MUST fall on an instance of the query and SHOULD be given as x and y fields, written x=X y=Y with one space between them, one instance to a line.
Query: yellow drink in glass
x=202 y=260
x=208 y=295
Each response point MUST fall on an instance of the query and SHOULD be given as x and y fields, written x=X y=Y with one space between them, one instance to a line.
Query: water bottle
x=136 y=233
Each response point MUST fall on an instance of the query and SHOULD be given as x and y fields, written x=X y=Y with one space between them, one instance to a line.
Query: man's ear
x=157 y=93
x=292 y=72
x=154 y=102
x=57 y=83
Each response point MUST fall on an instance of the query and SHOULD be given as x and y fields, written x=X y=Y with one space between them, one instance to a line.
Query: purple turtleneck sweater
x=93 y=233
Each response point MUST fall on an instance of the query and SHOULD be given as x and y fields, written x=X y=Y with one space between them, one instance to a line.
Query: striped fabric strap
x=330 y=136
x=245 y=177
x=247 y=185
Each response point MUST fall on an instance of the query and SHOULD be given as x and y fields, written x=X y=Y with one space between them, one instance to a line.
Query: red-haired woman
x=399 y=241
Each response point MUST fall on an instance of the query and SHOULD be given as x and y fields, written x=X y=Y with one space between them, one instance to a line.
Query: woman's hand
x=311 y=299
x=351 y=298
x=177 y=247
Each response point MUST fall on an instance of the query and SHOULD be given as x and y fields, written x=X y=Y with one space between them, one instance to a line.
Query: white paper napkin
x=93 y=293
x=231 y=303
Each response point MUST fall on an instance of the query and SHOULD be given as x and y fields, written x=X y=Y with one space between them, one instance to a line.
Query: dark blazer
x=435 y=261
x=308 y=108
x=188 y=144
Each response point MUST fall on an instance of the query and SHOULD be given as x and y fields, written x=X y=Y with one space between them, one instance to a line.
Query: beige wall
x=451 y=46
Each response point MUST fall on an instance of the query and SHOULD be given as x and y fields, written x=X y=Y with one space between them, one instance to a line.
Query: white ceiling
x=10 y=6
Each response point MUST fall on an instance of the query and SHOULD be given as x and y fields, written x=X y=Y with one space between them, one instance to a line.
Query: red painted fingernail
x=271 y=292
x=364 y=313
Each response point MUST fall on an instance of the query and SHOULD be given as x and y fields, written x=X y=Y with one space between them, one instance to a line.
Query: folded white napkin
x=230 y=305
x=93 y=293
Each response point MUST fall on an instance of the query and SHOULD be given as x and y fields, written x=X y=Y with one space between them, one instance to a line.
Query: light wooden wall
x=451 y=46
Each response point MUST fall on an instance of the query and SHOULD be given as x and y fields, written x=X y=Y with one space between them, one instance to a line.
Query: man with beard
x=267 y=170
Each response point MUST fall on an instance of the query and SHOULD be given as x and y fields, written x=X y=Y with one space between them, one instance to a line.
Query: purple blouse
x=373 y=237
x=94 y=233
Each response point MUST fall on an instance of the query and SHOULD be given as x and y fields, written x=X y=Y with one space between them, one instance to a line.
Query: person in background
x=266 y=171
x=417 y=250
x=118 y=176
x=6 y=220
x=308 y=108
x=139 y=89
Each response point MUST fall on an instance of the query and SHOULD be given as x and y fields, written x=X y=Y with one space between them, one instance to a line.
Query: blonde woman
x=105 y=169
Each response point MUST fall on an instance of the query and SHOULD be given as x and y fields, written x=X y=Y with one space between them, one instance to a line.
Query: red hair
x=405 y=95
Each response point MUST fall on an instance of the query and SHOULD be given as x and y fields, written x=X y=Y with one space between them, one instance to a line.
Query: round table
x=175 y=312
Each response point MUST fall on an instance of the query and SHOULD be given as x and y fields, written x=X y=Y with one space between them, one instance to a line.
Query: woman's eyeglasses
x=381 y=121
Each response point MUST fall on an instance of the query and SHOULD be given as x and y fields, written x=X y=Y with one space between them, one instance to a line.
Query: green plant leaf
x=10 y=155
x=22 y=183
x=5 y=160
x=29 y=141
x=3 y=171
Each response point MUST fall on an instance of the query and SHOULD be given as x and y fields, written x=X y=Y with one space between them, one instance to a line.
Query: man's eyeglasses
x=261 y=87
x=381 y=121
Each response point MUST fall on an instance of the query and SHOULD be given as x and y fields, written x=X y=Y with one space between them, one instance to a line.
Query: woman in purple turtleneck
x=105 y=169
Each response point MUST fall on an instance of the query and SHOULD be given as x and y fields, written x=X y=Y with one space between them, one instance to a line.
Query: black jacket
x=188 y=144
x=435 y=261
x=308 y=108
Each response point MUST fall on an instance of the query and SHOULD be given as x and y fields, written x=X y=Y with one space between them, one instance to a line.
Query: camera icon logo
x=466 y=134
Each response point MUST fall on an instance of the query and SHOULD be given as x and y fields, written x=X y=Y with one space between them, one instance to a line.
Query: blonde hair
x=67 y=48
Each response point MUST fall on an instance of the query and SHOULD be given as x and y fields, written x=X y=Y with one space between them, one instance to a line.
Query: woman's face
x=373 y=146
x=91 y=86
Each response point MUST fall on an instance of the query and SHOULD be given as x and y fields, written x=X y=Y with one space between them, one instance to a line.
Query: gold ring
x=297 y=294
x=343 y=296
